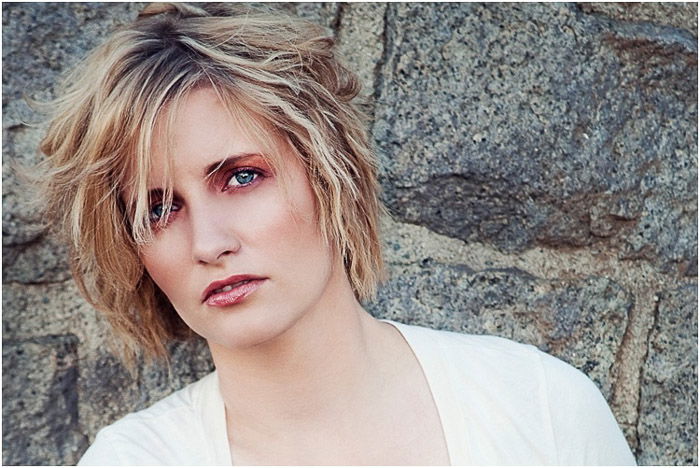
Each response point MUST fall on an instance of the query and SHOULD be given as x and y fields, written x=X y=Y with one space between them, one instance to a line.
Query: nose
x=213 y=236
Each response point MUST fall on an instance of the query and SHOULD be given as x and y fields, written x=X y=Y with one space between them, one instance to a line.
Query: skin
x=300 y=362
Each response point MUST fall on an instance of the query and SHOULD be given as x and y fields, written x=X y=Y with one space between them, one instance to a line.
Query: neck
x=310 y=372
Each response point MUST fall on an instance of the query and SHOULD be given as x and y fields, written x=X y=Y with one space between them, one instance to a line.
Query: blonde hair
x=279 y=69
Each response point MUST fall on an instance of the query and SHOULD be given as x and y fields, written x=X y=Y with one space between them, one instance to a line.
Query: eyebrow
x=211 y=169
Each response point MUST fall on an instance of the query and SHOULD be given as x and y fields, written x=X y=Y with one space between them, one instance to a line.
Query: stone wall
x=540 y=165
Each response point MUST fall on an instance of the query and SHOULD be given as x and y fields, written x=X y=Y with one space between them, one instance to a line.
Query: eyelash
x=256 y=175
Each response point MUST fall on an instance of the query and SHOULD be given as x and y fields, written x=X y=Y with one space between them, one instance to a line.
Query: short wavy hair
x=278 y=69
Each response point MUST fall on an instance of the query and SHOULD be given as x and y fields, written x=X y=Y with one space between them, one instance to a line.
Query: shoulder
x=533 y=400
x=165 y=433
x=465 y=353
x=495 y=357
x=584 y=427
x=489 y=368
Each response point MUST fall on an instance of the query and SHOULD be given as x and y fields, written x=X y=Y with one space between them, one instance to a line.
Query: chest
x=404 y=429
x=412 y=437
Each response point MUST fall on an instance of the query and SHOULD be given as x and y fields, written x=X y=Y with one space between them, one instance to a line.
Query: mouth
x=231 y=290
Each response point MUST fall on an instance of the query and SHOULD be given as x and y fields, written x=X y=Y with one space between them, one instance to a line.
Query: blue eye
x=158 y=210
x=242 y=177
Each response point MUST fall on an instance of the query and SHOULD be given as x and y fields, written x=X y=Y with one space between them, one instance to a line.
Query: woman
x=215 y=178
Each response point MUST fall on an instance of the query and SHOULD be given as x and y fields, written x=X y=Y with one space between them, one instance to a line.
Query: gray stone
x=189 y=362
x=678 y=14
x=107 y=389
x=360 y=40
x=322 y=13
x=692 y=269
x=580 y=321
x=40 y=41
x=61 y=34
x=668 y=419
x=42 y=261
x=21 y=220
x=41 y=423
x=49 y=309
x=518 y=126
x=149 y=382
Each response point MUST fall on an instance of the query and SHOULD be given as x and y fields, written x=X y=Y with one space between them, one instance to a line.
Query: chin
x=249 y=332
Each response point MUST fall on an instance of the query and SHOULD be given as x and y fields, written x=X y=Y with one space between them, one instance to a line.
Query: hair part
x=277 y=74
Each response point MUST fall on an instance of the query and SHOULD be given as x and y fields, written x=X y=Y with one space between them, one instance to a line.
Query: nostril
x=225 y=252
x=213 y=245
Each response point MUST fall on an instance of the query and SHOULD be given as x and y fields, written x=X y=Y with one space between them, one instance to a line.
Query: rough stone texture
x=360 y=40
x=540 y=164
x=670 y=381
x=56 y=309
x=680 y=15
x=20 y=223
x=49 y=38
x=541 y=127
x=40 y=402
x=41 y=260
x=323 y=13
x=102 y=373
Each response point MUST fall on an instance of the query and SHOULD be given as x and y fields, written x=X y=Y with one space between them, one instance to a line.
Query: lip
x=236 y=294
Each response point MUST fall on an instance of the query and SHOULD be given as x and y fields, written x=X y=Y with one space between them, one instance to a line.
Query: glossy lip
x=234 y=296
x=209 y=291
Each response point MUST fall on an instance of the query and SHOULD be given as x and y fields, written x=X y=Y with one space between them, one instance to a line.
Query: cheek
x=162 y=259
x=289 y=229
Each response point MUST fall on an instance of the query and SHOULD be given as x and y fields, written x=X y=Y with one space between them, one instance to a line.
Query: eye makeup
x=238 y=172
x=157 y=209
x=236 y=160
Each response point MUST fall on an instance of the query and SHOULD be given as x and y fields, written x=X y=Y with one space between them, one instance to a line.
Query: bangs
x=157 y=129
x=157 y=113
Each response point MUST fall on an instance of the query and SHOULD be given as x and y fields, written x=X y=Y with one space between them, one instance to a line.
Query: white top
x=499 y=402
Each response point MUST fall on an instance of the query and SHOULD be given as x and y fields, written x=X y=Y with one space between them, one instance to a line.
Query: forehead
x=196 y=126
x=199 y=127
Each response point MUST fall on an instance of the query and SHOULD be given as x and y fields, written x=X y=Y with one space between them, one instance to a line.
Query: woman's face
x=240 y=259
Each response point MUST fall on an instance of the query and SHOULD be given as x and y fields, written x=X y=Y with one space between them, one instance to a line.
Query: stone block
x=676 y=14
x=50 y=309
x=519 y=125
x=43 y=261
x=21 y=220
x=360 y=40
x=59 y=34
x=323 y=13
x=40 y=41
x=109 y=390
x=668 y=419
x=41 y=423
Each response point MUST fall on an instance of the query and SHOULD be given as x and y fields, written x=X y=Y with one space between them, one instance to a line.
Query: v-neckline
x=436 y=372
x=432 y=364
x=214 y=423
